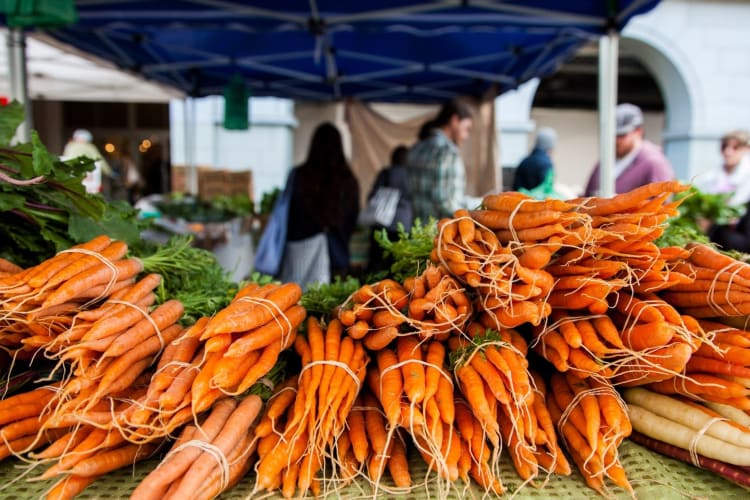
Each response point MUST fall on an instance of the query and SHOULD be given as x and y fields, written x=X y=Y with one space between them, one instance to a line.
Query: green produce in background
x=44 y=207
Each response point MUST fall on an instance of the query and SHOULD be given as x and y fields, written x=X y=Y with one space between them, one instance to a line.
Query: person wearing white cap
x=638 y=161
x=81 y=144
x=535 y=168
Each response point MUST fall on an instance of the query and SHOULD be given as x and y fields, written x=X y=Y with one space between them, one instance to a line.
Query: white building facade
x=698 y=51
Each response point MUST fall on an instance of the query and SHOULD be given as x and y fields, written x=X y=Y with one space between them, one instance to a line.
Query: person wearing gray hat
x=638 y=161
x=535 y=168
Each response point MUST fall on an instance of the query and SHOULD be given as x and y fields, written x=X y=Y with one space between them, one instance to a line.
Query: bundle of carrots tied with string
x=208 y=457
x=593 y=421
x=507 y=399
x=432 y=304
x=132 y=375
x=305 y=421
x=711 y=436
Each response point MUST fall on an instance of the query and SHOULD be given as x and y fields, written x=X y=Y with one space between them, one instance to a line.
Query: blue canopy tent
x=372 y=50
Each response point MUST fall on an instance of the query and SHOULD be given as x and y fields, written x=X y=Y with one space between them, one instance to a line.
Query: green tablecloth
x=652 y=476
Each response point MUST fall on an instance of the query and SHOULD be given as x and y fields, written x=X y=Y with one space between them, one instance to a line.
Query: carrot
x=392 y=384
x=175 y=355
x=69 y=487
x=658 y=364
x=625 y=201
x=715 y=366
x=263 y=335
x=408 y=349
x=676 y=434
x=113 y=252
x=110 y=460
x=491 y=376
x=590 y=407
x=38 y=275
x=434 y=359
x=244 y=315
x=375 y=340
x=358 y=330
x=701 y=384
x=228 y=438
x=239 y=464
x=731 y=473
x=163 y=316
x=182 y=384
x=265 y=362
x=705 y=256
x=101 y=274
x=472 y=388
x=376 y=434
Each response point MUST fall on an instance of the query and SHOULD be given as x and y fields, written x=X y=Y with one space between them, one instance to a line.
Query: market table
x=653 y=476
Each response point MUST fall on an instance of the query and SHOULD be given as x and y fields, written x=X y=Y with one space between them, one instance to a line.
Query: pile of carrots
x=515 y=341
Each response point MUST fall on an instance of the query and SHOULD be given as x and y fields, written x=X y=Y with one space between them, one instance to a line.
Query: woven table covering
x=653 y=476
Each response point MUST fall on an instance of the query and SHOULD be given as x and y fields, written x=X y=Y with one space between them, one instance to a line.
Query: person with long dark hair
x=322 y=212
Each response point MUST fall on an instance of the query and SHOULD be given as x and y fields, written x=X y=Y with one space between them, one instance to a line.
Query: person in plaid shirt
x=437 y=177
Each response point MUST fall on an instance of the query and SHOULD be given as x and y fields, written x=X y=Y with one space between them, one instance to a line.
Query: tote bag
x=270 y=251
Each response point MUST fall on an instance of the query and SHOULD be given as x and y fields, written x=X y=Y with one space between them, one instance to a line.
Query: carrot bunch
x=720 y=284
x=367 y=447
x=718 y=372
x=304 y=423
x=209 y=458
x=514 y=293
x=494 y=379
x=40 y=301
x=413 y=386
x=432 y=304
x=592 y=420
x=242 y=342
x=22 y=419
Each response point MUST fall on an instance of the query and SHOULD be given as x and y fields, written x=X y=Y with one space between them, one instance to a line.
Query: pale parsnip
x=730 y=412
x=676 y=434
x=677 y=411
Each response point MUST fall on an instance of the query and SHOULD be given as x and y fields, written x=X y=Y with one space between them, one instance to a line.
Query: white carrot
x=689 y=416
x=676 y=434
x=730 y=412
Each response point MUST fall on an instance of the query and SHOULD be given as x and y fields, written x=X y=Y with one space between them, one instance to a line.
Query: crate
x=213 y=182
x=239 y=182
x=178 y=179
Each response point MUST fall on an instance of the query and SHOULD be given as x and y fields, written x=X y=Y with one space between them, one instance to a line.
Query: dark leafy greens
x=44 y=207
x=697 y=206
x=411 y=250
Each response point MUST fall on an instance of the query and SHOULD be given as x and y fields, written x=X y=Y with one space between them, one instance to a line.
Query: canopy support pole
x=608 y=53
x=18 y=78
x=191 y=170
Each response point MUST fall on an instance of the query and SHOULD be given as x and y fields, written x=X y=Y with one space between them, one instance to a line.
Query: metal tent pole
x=608 y=53
x=18 y=78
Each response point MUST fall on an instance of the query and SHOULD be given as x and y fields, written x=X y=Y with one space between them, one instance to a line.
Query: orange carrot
x=163 y=316
x=242 y=315
x=100 y=274
x=392 y=385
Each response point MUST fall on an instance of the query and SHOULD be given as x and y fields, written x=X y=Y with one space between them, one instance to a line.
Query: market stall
x=502 y=354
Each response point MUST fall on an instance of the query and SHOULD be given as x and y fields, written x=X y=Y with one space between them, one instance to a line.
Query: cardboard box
x=213 y=182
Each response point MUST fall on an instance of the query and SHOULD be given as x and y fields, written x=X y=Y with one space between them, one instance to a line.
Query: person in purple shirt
x=638 y=161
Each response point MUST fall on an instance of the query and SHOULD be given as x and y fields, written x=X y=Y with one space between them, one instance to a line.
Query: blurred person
x=535 y=168
x=638 y=161
x=81 y=144
x=437 y=176
x=425 y=130
x=733 y=176
x=733 y=179
x=393 y=176
x=323 y=212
